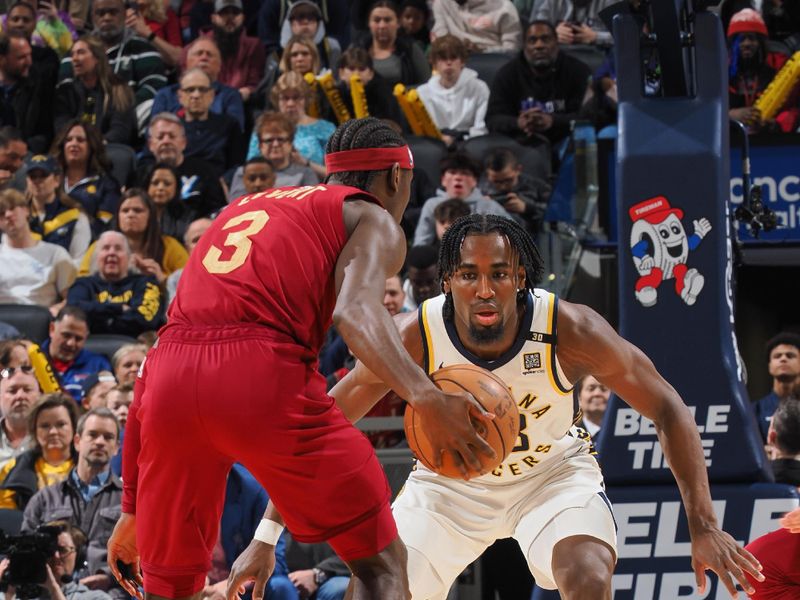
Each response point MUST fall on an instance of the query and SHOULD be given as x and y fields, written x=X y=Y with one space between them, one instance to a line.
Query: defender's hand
x=716 y=550
x=449 y=428
x=256 y=563
x=122 y=547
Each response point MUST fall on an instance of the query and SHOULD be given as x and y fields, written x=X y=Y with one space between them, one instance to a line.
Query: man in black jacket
x=25 y=101
x=539 y=92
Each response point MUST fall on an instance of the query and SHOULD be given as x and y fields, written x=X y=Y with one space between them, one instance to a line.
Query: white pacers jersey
x=530 y=368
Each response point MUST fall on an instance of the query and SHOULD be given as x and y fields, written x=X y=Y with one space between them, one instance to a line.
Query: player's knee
x=388 y=563
x=583 y=569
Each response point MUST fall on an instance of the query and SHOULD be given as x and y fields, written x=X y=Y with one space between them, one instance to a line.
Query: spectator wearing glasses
x=215 y=138
x=204 y=54
x=51 y=426
x=291 y=95
x=62 y=567
x=276 y=135
x=19 y=392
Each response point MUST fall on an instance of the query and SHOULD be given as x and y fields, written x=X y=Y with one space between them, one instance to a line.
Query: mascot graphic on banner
x=660 y=248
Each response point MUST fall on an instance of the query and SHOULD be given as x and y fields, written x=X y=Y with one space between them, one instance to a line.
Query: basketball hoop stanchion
x=676 y=303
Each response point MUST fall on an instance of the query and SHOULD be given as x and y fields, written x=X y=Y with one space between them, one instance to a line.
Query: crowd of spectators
x=125 y=127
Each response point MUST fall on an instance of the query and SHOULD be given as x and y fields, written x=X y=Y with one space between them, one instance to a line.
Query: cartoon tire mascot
x=660 y=247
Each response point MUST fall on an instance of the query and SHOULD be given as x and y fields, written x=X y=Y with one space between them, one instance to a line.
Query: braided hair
x=479 y=224
x=355 y=135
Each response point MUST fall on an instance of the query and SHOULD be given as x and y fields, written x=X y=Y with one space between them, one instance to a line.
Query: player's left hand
x=122 y=547
x=256 y=563
x=716 y=550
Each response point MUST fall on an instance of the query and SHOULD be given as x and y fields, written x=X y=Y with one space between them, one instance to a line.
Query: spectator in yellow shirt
x=52 y=427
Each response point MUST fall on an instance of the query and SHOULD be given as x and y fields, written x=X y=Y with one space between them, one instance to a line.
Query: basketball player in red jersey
x=234 y=375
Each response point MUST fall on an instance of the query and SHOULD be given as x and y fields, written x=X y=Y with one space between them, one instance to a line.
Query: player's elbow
x=347 y=316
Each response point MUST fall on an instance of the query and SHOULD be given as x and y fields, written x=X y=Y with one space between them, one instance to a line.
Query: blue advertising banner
x=774 y=168
x=653 y=544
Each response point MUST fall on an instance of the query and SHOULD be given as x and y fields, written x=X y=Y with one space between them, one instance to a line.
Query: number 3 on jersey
x=240 y=240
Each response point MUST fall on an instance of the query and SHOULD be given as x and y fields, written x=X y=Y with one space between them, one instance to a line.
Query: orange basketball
x=492 y=394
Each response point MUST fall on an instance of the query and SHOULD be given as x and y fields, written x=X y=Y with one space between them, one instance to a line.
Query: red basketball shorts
x=214 y=396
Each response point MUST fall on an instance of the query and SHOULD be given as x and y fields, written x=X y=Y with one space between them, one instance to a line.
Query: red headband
x=369 y=159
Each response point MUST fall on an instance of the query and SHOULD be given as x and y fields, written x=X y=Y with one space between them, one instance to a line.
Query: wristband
x=268 y=531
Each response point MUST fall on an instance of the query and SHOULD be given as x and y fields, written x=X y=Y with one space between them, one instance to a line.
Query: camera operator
x=61 y=566
x=523 y=196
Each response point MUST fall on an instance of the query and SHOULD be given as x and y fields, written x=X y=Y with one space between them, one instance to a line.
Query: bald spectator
x=26 y=98
x=199 y=188
x=214 y=138
x=243 y=57
x=33 y=272
x=13 y=149
x=204 y=53
x=72 y=362
x=132 y=58
x=115 y=299
x=19 y=392
x=193 y=234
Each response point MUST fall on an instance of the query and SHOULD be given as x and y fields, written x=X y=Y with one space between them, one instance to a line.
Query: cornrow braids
x=480 y=224
x=357 y=134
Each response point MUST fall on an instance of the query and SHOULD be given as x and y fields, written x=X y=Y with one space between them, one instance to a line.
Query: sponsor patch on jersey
x=532 y=361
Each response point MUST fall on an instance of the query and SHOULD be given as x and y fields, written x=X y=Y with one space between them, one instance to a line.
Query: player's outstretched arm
x=374 y=251
x=358 y=391
x=588 y=345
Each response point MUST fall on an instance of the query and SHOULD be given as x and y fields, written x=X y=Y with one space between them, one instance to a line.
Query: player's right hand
x=448 y=426
x=122 y=547
x=256 y=563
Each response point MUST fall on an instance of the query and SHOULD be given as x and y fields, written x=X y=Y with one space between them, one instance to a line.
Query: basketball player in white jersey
x=548 y=494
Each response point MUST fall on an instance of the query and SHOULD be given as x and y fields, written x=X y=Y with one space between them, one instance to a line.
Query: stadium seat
x=31 y=320
x=10 y=521
x=123 y=162
x=107 y=343
x=487 y=65
x=427 y=154
x=535 y=159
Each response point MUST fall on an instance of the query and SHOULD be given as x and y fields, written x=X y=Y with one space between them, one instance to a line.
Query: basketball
x=492 y=394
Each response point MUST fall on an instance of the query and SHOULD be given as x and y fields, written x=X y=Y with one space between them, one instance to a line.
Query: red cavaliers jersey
x=269 y=259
